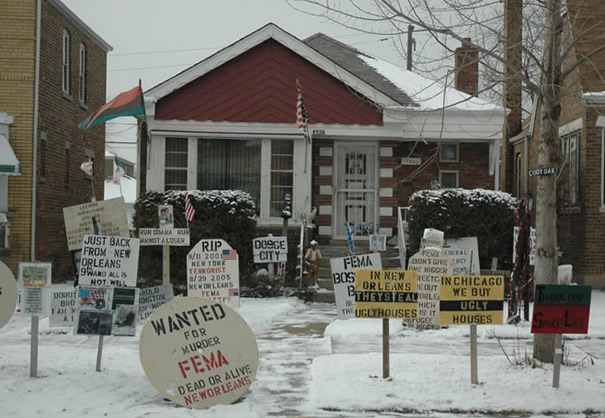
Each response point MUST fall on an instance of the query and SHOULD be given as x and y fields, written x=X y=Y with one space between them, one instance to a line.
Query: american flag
x=189 y=211
x=233 y=292
x=229 y=255
x=302 y=117
x=90 y=296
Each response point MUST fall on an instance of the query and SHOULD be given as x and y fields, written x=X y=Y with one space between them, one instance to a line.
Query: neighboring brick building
x=581 y=167
x=379 y=132
x=48 y=83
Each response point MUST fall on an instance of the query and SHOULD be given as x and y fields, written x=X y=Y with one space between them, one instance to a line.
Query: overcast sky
x=154 y=39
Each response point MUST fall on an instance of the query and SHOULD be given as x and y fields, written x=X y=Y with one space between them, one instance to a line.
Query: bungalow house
x=379 y=132
x=581 y=167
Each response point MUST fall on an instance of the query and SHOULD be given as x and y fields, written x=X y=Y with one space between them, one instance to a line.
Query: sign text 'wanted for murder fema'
x=198 y=352
x=109 y=261
x=471 y=299
x=386 y=294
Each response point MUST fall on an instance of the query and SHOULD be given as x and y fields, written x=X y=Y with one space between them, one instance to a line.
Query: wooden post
x=99 y=353
x=557 y=360
x=385 y=348
x=33 y=351
x=165 y=264
x=474 y=378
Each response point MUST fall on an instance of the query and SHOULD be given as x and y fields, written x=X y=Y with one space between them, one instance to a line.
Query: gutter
x=35 y=136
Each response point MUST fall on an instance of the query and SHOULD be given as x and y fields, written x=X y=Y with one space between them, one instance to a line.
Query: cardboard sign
x=198 y=352
x=8 y=294
x=213 y=272
x=33 y=278
x=161 y=236
x=109 y=216
x=343 y=277
x=431 y=264
x=109 y=261
x=471 y=299
x=270 y=249
x=165 y=216
x=94 y=311
x=532 y=240
x=386 y=294
x=561 y=309
x=464 y=253
x=152 y=298
x=125 y=306
x=63 y=306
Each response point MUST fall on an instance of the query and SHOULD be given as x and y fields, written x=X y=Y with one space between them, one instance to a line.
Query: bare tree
x=551 y=34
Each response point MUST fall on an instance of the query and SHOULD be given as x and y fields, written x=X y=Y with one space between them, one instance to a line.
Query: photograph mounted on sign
x=165 y=216
x=378 y=242
x=198 y=352
x=213 y=271
x=35 y=274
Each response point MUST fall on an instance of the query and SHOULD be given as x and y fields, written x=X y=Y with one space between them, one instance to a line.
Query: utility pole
x=411 y=45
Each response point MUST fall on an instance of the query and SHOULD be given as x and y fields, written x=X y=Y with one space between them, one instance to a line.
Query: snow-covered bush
x=226 y=214
x=485 y=214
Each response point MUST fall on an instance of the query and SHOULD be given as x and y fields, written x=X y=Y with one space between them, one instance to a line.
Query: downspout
x=526 y=168
x=35 y=136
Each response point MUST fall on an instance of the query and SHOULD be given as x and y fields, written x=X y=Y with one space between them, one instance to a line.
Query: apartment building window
x=175 y=176
x=570 y=148
x=66 y=61
x=230 y=164
x=82 y=89
x=282 y=174
x=448 y=153
x=448 y=179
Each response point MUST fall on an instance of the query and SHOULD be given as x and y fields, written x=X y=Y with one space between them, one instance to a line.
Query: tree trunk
x=545 y=271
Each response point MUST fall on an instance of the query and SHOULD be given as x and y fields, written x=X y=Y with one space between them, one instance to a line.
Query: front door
x=355 y=189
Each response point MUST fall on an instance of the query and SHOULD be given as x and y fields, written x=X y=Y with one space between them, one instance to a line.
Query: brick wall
x=63 y=183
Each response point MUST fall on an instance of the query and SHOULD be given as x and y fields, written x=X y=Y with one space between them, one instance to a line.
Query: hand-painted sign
x=198 y=352
x=464 y=253
x=270 y=249
x=109 y=216
x=213 y=271
x=561 y=309
x=152 y=298
x=471 y=299
x=343 y=277
x=8 y=294
x=109 y=261
x=164 y=236
x=63 y=306
x=431 y=264
x=386 y=294
x=34 y=277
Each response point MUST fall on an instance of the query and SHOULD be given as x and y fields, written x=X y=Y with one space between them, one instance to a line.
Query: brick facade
x=60 y=148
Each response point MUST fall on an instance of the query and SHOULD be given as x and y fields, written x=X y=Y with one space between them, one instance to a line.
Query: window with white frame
x=175 y=163
x=82 y=89
x=570 y=186
x=229 y=164
x=282 y=174
x=448 y=179
x=448 y=153
x=66 y=62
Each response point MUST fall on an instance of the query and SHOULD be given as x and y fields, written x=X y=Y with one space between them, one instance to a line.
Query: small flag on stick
x=302 y=117
x=189 y=210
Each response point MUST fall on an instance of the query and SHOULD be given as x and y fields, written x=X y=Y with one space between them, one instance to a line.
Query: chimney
x=467 y=68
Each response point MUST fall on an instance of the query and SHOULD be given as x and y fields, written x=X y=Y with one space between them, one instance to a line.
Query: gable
x=259 y=86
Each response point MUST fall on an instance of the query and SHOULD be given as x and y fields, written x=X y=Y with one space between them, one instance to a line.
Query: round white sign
x=198 y=352
x=8 y=294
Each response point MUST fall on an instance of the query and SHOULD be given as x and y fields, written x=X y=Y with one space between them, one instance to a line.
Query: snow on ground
x=429 y=372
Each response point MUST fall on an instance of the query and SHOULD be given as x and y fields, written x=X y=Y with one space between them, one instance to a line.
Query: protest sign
x=33 y=278
x=430 y=263
x=8 y=294
x=63 y=307
x=464 y=253
x=153 y=297
x=109 y=261
x=198 y=352
x=109 y=216
x=213 y=272
x=164 y=236
x=471 y=299
x=561 y=309
x=270 y=249
x=343 y=277
x=94 y=311
x=125 y=304
x=386 y=294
